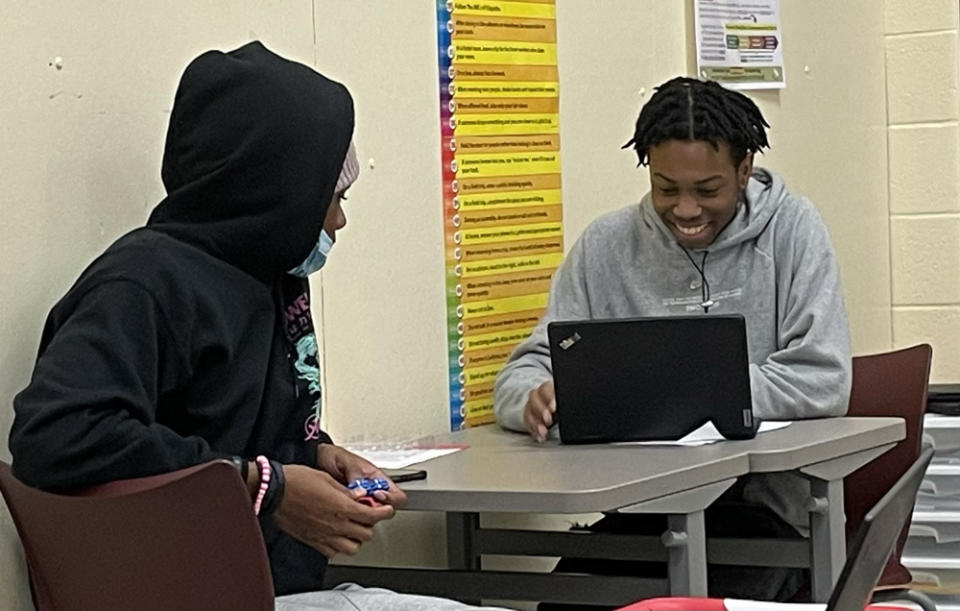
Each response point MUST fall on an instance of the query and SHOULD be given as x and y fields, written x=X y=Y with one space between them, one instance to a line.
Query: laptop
x=875 y=539
x=653 y=378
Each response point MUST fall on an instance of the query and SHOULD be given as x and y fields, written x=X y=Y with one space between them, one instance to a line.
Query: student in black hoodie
x=191 y=338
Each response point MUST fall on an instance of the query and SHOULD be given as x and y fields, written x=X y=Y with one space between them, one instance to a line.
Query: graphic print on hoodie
x=305 y=356
x=172 y=348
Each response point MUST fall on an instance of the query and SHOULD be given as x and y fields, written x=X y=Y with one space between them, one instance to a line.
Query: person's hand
x=346 y=467
x=539 y=412
x=319 y=511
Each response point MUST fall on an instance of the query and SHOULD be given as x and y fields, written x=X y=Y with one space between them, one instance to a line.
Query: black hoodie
x=177 y=344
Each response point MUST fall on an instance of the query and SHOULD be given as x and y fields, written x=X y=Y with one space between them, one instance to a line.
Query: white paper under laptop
x=704 y=435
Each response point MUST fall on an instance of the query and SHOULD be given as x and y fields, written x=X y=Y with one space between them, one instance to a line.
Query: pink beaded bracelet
x=264 y=482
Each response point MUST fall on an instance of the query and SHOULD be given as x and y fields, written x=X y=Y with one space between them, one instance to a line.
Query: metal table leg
x=686 y=536
x=461 y=541
x=686 y=543
x=828 y=547
x=828 y=542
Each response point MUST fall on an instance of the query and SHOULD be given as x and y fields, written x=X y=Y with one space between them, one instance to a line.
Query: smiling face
x=696 y=188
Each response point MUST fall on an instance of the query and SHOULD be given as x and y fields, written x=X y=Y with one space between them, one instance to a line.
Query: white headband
x=349 y=171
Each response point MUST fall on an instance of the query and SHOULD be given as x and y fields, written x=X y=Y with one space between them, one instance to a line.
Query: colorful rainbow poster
x=502 y=206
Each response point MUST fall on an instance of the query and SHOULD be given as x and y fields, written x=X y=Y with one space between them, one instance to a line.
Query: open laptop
x=656 y=378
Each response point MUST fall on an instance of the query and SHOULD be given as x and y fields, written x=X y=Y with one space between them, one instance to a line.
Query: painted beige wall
x=828 y=140
x=384 y=343
x=80 y=150
x=924 y=166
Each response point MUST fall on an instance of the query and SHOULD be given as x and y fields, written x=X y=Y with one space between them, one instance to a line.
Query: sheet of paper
x=740 y=44
x=398 y=458
x=736 y=604
x=706 y=434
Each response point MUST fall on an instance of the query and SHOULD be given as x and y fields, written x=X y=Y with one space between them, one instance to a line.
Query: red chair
x=181 y=540
x=726 y=604
x=891 y=384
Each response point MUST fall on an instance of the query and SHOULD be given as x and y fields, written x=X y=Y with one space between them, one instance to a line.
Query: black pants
x=725 y=518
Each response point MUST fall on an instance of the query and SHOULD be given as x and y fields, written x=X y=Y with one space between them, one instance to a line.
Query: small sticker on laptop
x=748 y=418
x=566 y=344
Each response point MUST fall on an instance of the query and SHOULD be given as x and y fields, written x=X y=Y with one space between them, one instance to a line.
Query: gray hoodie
x=773 y=263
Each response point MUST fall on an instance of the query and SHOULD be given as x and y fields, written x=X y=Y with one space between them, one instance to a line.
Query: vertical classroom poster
x=502 y=209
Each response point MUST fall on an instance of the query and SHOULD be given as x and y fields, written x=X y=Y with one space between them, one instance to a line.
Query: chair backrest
x=181 y=540
x=891 y=384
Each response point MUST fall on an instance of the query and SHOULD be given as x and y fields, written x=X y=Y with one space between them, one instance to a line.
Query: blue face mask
x=316 y=258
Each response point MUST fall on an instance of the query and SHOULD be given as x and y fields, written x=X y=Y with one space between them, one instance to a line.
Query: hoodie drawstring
x=707 y=303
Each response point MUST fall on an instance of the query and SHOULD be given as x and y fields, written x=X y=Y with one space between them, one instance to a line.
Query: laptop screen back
x=650 y=378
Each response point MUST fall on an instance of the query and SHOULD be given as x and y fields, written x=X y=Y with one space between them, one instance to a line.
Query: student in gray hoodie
x=714 y=235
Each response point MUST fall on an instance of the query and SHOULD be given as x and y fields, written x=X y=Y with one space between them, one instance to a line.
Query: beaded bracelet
x=271 y=500
x=264 y=465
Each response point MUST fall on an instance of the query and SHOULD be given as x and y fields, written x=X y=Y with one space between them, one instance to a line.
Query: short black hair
x=690 y=109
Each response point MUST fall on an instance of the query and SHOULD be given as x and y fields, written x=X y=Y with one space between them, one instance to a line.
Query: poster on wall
x=740 y=43
x=502 y=208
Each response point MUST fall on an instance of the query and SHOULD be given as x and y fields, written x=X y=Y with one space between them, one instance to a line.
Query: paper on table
x=737 y=604
x=398 y=458
x=706 y=434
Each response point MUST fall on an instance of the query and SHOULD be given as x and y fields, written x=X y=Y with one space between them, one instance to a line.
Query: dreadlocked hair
x=690 y=109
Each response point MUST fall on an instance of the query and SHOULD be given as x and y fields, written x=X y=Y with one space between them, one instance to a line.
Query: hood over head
x=254 y=148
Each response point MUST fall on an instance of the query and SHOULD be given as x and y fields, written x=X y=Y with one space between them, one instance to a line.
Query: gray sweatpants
x=351 y=597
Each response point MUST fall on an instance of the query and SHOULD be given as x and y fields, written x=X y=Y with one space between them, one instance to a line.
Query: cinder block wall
x=924 y=168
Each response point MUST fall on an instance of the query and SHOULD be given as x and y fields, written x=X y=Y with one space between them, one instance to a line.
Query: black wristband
x=274 y=494
x=241 y=464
